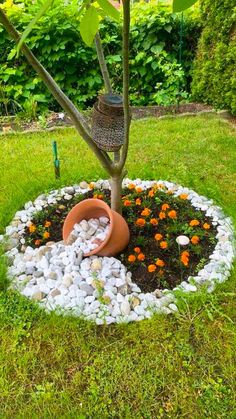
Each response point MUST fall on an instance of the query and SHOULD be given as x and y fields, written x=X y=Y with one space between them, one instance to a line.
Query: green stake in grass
x=56 y=160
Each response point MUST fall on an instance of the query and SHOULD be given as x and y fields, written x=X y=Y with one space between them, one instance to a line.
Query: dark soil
x=174 y=271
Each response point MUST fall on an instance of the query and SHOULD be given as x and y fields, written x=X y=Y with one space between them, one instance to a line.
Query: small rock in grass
x=38 y=296
x=173 y=307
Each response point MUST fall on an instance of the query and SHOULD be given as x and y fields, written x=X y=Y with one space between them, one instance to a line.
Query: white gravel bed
x=88 y=235
x=101 y=288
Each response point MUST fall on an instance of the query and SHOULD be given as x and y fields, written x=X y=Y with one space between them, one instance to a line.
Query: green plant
x=214 y=79
x=81 y=78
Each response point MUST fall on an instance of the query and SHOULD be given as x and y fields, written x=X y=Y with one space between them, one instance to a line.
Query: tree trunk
x=116 y=189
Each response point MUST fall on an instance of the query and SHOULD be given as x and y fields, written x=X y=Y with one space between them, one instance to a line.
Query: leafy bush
x=156 y=75
x=214 y=76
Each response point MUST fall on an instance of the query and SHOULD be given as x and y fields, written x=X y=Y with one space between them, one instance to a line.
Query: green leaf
x=89 y=25
x=180 y=5
x=109 y=9
x=41 y=12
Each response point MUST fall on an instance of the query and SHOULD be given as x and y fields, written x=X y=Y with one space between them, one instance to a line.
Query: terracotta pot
x=118 y=236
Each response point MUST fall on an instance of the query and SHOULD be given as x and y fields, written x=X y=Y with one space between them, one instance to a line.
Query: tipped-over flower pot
x=118 y=235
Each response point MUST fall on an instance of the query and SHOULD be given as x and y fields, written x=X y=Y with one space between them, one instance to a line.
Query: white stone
x=125 y=307
x=67 y=280
x=173 y=307
x=96 y=265
x=182 y=240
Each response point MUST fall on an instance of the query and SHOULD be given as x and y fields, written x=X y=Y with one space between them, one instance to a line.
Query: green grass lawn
x=181 y=366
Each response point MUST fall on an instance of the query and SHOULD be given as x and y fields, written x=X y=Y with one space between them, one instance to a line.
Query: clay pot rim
x=111 y=219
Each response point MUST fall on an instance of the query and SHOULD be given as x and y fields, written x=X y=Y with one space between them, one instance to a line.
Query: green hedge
x=156 y=75
x=214 y=75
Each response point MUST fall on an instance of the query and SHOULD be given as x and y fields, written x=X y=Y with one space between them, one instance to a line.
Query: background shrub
x=214 y=76
x=157 y=77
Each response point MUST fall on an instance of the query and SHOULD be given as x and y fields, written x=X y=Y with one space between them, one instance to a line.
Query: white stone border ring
x=101 y=288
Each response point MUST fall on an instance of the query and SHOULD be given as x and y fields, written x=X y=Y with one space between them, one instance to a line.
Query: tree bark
x=102 y=63
x=125 y=50
x=116 y=191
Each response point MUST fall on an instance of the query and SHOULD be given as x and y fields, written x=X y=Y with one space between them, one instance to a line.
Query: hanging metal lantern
x=108 y=122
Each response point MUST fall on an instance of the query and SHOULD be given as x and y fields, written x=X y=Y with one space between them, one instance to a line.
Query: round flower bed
x=179 y=240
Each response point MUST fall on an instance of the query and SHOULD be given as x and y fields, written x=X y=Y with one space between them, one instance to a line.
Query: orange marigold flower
x=185 y=258
x=46 y=235
x=183 y=196
x=138 y=201
x=172 y=214
x=100 y=196
x=164 y=207
x=160 y=262
x=154 y=221
x=185 y=261
x=91 y=185
x=32 y=228
x=132 y=258
x=151 y=268
x=146 y=212
x=194 y=223
x=158 y=236
x=137 y=249
x=47 y=224
x=163 y=244
x=140 y=222
x=162 y=215
x=206 y=226
x=131 y=186
x=151 y=193
x=127 y=203
x=138 y=189
x=141 y=256
x=37 y=242
x=195 y=240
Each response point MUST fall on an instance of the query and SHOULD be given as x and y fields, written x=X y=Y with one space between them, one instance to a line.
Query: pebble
x=38 y=296
x=87 y=288
x=83 y=185
x=125 y=308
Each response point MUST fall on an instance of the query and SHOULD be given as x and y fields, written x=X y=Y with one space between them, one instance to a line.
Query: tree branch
x=61 y=98
x=126 y=28
x=102 y=63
